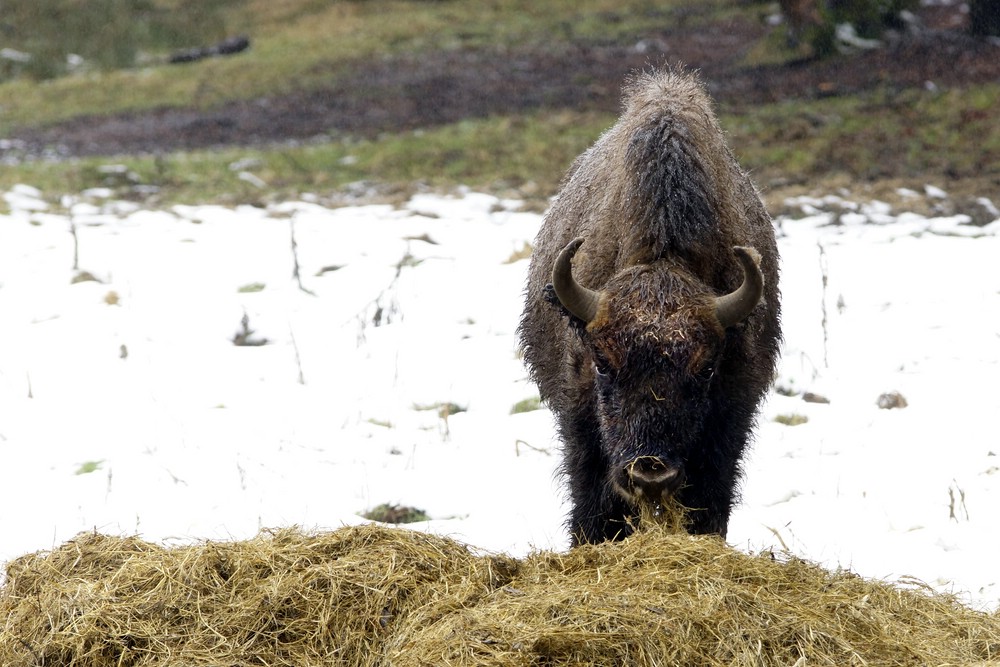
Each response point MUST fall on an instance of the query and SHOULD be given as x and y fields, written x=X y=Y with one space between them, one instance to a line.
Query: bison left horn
x=577 y=299
x=734 y=307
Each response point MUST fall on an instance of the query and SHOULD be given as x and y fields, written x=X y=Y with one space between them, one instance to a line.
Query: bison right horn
x=734 y=307
x=580 y=301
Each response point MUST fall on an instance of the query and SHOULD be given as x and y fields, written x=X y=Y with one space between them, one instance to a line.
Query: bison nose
x=653 y=478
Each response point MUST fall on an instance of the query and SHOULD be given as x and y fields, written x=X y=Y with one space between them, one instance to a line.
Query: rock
x=891 y=400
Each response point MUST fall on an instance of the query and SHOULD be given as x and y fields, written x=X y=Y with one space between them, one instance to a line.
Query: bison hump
x=673 y=201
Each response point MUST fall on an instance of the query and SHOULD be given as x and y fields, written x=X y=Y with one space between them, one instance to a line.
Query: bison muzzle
x=651 y=320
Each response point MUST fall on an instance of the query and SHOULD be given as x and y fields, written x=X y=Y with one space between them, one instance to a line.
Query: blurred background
x=251 y=101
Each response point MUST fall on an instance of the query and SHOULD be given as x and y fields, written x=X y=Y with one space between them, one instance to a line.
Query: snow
x=126 y=408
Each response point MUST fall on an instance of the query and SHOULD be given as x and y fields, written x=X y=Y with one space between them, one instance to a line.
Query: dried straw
x=377 y=596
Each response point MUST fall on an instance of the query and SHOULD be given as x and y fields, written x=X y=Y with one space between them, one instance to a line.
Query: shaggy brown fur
x=660 y=202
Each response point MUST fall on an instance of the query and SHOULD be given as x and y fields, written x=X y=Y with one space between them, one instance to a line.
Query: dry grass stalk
x=376 y=596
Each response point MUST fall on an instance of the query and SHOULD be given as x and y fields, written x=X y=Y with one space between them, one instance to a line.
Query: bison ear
x=733 y=308
x=578 y=300
x=550 y=296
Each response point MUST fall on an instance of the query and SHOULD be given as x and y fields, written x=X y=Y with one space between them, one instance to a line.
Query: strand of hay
x=369 y=595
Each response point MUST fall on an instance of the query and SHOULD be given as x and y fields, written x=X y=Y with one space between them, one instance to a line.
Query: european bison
x=651 y=321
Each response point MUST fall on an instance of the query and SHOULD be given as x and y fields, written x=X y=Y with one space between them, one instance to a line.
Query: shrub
x=984 y=17
x=870 y=19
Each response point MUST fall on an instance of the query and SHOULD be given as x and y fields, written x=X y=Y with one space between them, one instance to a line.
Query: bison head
x=650 y=341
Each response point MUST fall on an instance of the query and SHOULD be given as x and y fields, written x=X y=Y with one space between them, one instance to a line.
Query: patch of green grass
x=792 y=419
x=88 y=467
x=527 y=405
x=251 y=288
x=104 y=34
x=303 y=44
x=492 y=152
x=387 y=513
x=880 y=135
x=529 y=152
x=901 y=135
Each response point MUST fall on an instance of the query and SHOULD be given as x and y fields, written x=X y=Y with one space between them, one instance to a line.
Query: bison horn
x=577 y=299
x=734 y=307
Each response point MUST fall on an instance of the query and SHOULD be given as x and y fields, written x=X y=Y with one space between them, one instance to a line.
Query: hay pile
x=376 y=596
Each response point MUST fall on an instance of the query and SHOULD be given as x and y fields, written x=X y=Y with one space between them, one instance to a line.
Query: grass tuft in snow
x=791 y=419
x=444 y=409
x=518 y=255
x=247 y=337
x=527 y=405
x=396 y=514
x=88 y=467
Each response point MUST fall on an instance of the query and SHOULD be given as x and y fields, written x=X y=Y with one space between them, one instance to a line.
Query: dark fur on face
x=652 y=395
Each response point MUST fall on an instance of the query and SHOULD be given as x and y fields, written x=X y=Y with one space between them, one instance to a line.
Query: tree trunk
x=984 y=17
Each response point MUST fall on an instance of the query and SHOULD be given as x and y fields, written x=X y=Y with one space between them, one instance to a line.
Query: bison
x=651 y=317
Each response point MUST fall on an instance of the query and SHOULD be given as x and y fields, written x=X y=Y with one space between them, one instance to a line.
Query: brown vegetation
x=376 y=596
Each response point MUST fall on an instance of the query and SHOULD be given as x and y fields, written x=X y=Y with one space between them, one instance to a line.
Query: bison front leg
x=710 y=493
x=597 y=513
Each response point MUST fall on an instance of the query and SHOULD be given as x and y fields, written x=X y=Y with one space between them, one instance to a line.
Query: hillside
x=503 y=98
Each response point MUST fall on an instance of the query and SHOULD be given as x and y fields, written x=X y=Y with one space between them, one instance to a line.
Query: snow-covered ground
x=125 y=407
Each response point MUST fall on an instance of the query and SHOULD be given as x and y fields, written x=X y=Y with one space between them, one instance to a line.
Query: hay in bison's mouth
x=650 y=486
x=669 y=515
